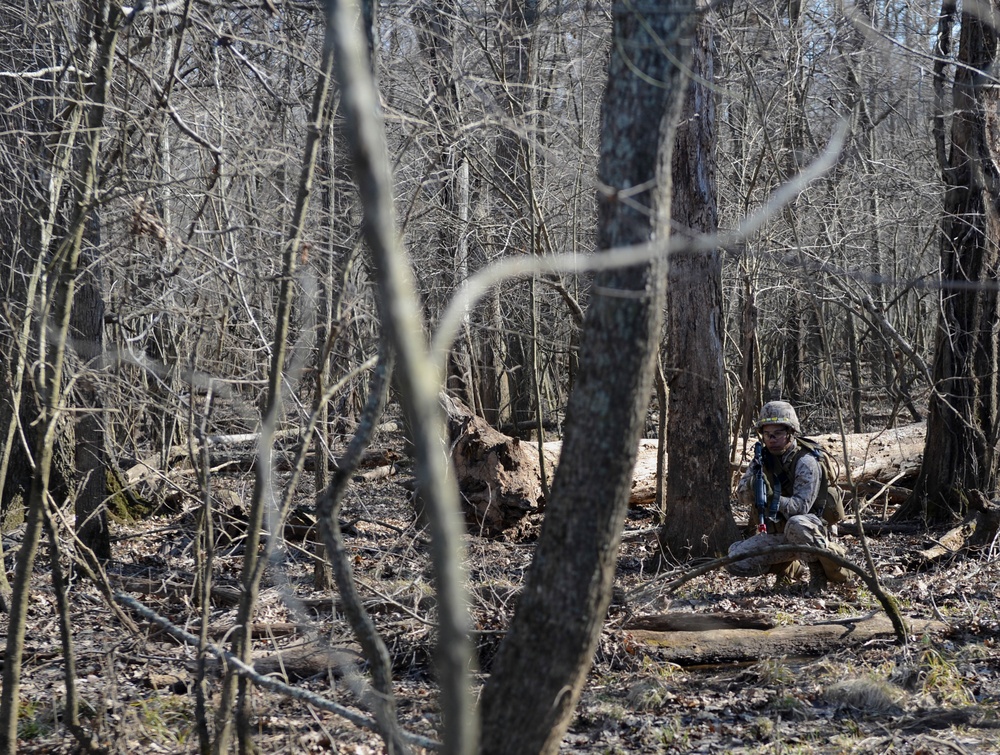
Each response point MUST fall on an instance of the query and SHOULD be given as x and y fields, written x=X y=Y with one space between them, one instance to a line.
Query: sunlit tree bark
x=963 y=425
x=697 y=517
x=539 y=671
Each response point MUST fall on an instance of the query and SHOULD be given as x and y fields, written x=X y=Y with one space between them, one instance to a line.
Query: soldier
x=794 y=481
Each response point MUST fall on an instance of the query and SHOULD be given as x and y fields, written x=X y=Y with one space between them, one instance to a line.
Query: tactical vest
x=829 y=503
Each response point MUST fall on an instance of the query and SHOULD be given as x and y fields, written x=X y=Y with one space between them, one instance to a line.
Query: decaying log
x=643 y=476
x=501 y=483
x=682 y=621
x=877 y=491
x=303 y=661
x=977 y=531
x=240 y=452
x=221 y=595
x=308 y=660
x=258 y=630
x=950 y=543
x=499 y=476
x=884 y=455
x=378 y=473
x=223 y=449
x=741 y=645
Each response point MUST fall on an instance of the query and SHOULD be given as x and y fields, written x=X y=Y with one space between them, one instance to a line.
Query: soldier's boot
x=832 y=571
x=787 y=573
x=817 y=578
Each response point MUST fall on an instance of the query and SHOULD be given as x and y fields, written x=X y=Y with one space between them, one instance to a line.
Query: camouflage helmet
x=779 y=413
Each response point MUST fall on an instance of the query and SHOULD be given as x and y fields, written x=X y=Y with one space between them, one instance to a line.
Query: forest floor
x=939 y=695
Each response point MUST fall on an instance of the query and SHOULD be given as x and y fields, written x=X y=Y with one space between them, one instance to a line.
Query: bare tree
x=562 y=606
x=697 y=518
x=66 y=260
x=417 y=379
x=963 y=426
x=862 y=265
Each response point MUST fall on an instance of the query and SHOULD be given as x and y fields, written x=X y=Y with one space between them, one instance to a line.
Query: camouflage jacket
x=801 y=487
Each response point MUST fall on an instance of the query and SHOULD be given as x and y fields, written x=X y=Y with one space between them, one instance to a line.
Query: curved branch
x=888 y=601
x=418 y=377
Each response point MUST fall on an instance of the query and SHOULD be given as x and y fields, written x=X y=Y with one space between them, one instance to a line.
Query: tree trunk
x=517 y=21
x=697 y=521
x=61 y=291
x=562 y=607
x=417 y=380
x=963 y=428
x=44 y=184
x=90 y=462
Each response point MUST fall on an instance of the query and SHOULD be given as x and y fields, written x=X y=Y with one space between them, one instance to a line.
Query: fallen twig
x=267 y=682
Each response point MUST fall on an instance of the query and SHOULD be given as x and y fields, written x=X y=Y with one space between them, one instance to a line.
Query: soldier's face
x=776 y=438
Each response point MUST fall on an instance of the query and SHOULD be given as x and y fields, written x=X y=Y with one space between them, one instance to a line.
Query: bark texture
x=528 y=701
x=498 y=475
x=963 y=427
x=697 y=517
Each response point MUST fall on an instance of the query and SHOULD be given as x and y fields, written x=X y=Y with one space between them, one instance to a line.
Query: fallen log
x=689 y=648
x=378 y=473
x=883 y=455
x=258 y=630
x=682 y=621
x=500 y=478
x=220 y=595
x=979 y=530
x=223 y=449
x=240 y=451
x=950 y=543
x=643 y=491
x=308 y=660
x=877 y=529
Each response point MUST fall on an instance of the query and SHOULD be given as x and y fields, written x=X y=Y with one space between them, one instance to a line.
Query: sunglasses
x=776 y=435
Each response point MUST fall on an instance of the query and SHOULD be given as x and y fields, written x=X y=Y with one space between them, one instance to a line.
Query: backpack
x=830 y=500
x=829 y=504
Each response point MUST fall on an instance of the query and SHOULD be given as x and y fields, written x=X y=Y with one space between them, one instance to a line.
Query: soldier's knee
x=750 y=566
x=806 y=529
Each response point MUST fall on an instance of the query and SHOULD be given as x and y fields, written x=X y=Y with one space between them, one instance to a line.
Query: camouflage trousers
x=805 y=529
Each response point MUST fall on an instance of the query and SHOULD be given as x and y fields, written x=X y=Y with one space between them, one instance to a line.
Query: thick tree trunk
x=23 y=121
x=963 y=427
x=38 y=201
x=697 y=518
x=562 y=607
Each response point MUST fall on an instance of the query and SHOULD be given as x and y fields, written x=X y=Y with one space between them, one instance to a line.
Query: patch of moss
x=13 y=514
x=124 y=505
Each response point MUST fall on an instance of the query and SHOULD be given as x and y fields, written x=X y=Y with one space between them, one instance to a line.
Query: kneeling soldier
x=790 y=477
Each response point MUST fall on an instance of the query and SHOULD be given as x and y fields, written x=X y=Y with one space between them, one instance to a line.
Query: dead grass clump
x=868 y=695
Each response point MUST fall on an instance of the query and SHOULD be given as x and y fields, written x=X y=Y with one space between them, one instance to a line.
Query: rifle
x=760 y=487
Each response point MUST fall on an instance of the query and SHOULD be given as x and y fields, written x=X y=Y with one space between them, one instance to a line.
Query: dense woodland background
x=198 y=245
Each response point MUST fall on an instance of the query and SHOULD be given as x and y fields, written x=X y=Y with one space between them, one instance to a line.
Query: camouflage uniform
x=795 y=526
